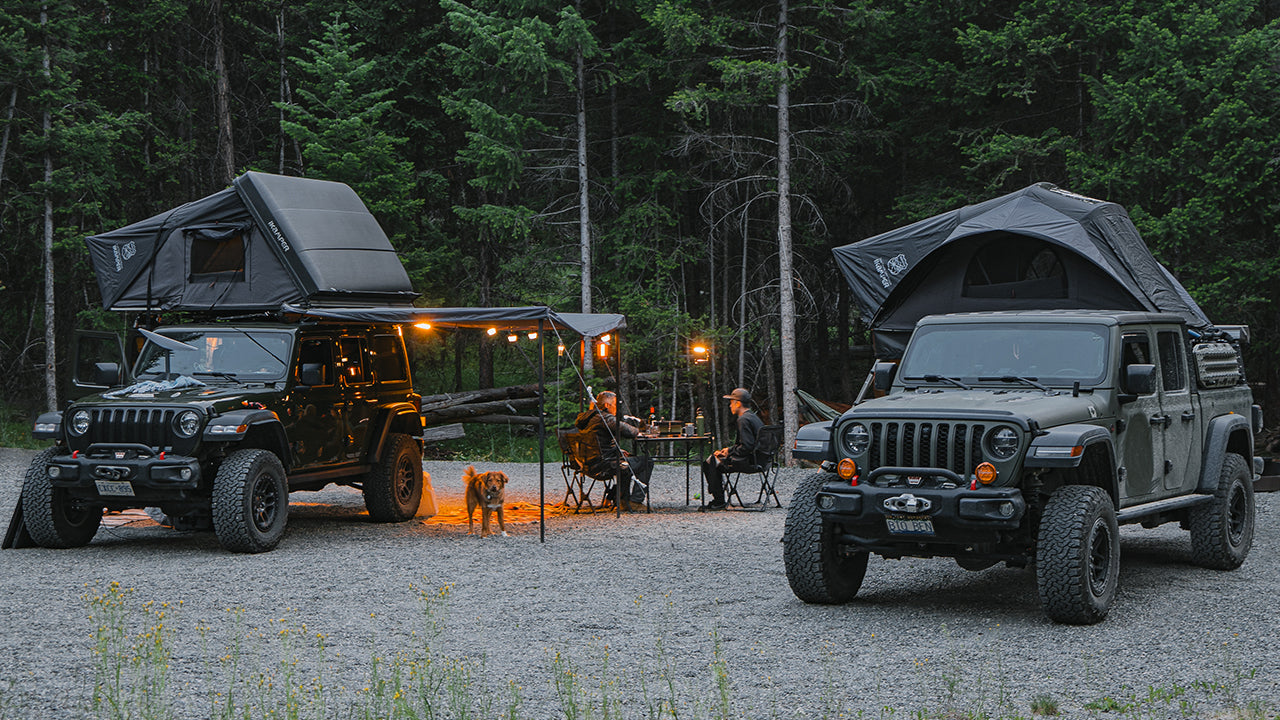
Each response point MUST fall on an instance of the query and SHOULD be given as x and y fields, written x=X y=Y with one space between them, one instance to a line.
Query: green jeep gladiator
x=221 y=421
x=1028 y=437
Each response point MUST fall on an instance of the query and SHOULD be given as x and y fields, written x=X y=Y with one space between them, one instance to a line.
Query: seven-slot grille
x=955 y=446
x=147 y=425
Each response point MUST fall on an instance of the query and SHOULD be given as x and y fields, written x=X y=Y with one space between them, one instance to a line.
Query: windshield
x=1049 y=354
x=219 y=355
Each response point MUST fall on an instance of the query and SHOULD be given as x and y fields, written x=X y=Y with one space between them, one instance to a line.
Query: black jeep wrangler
x=1027 y=438
x=220 y=422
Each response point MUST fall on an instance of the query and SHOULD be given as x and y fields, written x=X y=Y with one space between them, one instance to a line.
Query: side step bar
x=1137 y=512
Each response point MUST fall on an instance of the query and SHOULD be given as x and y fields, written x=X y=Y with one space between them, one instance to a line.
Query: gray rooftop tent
x=264 y=241
x=1036 y=248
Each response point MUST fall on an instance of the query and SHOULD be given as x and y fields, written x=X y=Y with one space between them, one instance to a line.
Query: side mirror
x=311 y=374
x=1140 y=379
x=884 y=372
x=106 y=374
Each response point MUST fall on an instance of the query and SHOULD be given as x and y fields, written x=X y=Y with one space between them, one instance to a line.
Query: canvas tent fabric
x=508 y=318
x=265 y=241
x=1037 y=248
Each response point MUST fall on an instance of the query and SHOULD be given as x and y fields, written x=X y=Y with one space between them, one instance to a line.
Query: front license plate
x=909 y=524
x=114 y=487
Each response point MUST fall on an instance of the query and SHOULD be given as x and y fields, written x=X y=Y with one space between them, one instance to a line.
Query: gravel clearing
x=647 y=602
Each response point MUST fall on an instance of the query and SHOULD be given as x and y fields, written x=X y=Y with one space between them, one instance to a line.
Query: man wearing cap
x=736 y=457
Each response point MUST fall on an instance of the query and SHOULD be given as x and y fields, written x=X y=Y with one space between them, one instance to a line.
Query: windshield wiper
x=944 y=378
x=219 y=373
x=1018 y=378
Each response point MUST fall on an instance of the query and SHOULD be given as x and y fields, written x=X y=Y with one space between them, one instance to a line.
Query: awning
x=508 y=318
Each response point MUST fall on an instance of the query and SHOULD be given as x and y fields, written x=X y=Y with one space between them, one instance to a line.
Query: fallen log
x=504 y=420
x=510 y=406
x=433 y=402
x=443 y=432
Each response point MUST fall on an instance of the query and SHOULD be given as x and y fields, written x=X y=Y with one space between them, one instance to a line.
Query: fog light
x=826 y=502
x=986 y=473
x=1006 y=509
x=847 y=469
x=54 y=471
x=185 y=474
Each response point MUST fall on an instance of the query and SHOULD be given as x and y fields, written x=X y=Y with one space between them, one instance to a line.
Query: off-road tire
x=1222 y=530
x=393 y=490
x=53 y=517
x=815 y=569
x=1078 y=555
x=250 y=501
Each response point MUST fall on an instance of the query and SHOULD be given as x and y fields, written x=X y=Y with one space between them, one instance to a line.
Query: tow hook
x=907 y=503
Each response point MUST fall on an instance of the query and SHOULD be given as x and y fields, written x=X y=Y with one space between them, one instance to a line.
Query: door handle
x=1188 y=415
x=1161 y=420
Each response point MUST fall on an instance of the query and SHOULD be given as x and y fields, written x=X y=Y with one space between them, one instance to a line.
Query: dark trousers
x=641 y=468
x=714 y=471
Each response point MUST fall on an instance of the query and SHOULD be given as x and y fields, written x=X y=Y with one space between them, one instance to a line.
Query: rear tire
x=393 y=491
x=1078 y=555
x=1222 y=530
x=250 y=501
x=53 y=517
x=816 y=570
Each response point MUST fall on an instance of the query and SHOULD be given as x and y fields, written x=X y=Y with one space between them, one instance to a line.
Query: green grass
x=280 y=669
x=15 y=428
x=496 y=443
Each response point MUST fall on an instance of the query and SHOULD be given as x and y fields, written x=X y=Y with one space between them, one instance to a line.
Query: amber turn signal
x=986 y=473
x=847 y=469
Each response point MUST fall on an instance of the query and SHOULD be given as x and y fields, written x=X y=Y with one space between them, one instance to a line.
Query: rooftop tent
x=1040 y=247
x=265 y=241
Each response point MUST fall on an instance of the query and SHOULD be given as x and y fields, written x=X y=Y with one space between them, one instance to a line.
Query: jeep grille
x=146 y=425
x=954 y=446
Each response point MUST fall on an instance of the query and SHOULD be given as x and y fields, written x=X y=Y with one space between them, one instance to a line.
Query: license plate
x=909 y=524
x=114 y=487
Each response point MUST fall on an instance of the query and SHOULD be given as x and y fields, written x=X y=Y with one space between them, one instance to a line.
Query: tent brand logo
x=279 y=236
x=896 y=265
x=123 y=252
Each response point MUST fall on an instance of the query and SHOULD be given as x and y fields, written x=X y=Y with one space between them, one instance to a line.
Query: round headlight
x=1002 y=442
x=856 y=439
x=187 y=423
x=79 y=424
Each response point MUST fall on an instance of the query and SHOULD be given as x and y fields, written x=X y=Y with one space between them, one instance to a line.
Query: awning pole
x=542 y=434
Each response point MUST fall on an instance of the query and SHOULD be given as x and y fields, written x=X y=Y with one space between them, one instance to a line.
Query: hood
x=221 y=396
x=1024 y=406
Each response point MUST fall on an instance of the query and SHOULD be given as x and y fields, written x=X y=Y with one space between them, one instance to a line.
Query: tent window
x=217 y=255
x=1015 y=267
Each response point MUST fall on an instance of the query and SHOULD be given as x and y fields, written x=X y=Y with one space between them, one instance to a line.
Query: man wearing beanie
x=739 y=456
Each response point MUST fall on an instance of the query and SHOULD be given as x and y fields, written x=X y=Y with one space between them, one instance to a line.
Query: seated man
x=737 y=457
x=602 y=419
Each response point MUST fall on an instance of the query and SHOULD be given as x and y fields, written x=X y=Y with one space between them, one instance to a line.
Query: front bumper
x=122 y=471
x=924 y=519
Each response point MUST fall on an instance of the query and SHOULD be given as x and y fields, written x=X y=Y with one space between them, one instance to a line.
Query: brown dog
x=487 y=490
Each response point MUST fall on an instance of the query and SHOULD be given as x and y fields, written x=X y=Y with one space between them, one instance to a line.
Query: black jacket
x=743 y=450
x=606 y=428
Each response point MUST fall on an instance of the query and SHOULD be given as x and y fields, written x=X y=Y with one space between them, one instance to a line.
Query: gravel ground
x=646 y=597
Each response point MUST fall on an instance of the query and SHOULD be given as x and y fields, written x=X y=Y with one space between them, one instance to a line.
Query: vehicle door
x=318 y=411
x=1181 y=426
x=358 y=393
x=95 y=351
x=1142 y=443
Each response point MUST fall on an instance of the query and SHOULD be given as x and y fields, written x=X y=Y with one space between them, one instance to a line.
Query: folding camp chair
x=766 y=467
x=590 y=467
x=569 y=468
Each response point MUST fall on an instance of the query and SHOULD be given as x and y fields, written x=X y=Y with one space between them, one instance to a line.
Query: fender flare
x=394 y=418
x=257 y=421
x=1055 y=448
x=1226 y=433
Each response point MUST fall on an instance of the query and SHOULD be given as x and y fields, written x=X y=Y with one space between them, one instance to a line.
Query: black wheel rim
x=1099 y=556
x=403 y=480
x=1238 y=515
x=264 y=504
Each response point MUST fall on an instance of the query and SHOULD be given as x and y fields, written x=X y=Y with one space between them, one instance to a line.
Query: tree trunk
x=584 y=197
x=222 y=100
x=8 y=123
x=787 y=304
x=50 y=305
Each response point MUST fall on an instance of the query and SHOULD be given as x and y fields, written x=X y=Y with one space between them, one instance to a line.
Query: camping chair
x=569 y=468
x=591 y=467
x=767 y=445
